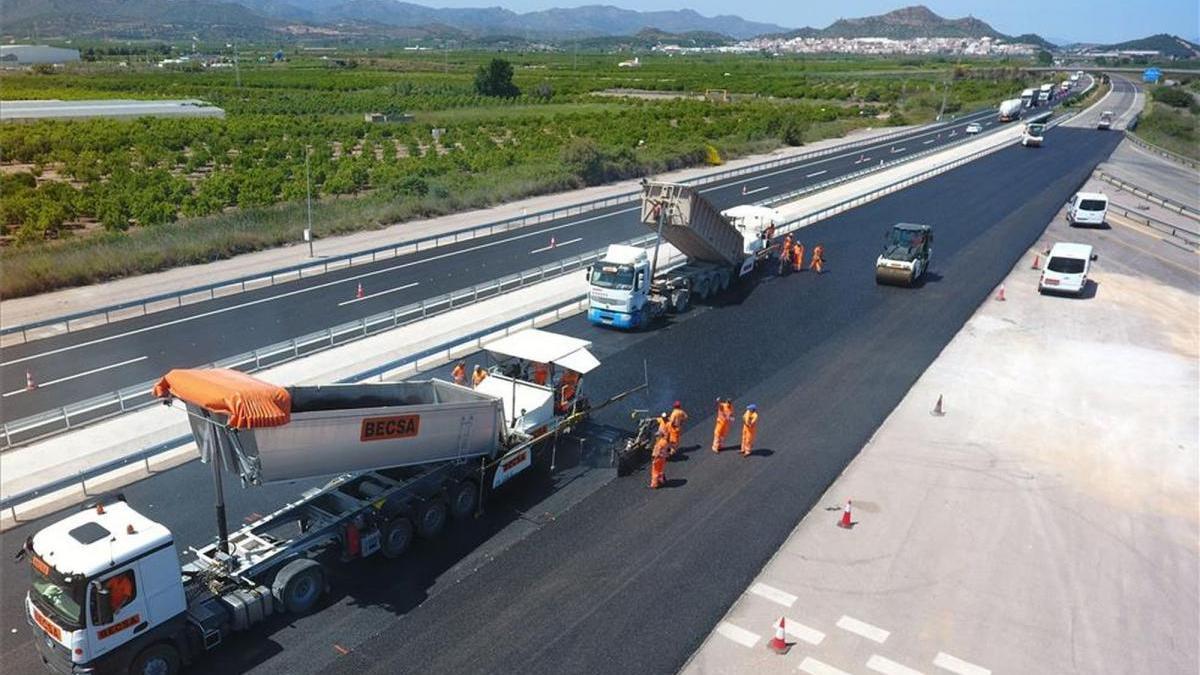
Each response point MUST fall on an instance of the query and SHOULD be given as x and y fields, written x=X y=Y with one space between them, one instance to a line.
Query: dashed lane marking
x=85 y=373
x=376 y=295
x=957 y=665
x=773 y=594
x=557 y=244
x=738 y=634
x=757 y=189
x=803 y=633
x=815 y=667
x=889 y=667
x=815 y=174
x=862 y=628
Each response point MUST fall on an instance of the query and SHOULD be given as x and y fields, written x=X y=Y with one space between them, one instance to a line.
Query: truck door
x=120 y=592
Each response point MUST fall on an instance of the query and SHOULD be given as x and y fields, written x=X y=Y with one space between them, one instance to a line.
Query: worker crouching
x=749 y=429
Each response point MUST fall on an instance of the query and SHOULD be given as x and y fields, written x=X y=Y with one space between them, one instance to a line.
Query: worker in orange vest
x=721 y=428
x=818 y=259
x=459 y=373
x=658 y=462
x=479 y=376
x=568 y=386
x=749 y=429
x=785 y=255
x=541 y=373
x=675 y=426
x=797 y=257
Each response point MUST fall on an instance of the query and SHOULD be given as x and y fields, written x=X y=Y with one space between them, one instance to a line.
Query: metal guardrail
x=1150 y=196
x=1189 y=237
x=1163 y=152
x=103 y=315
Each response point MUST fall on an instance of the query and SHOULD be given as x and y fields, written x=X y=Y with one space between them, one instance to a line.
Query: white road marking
x=773 y=594
x=803 y=633
x=898 y=150
x=738 y=634
x=889 y=667
x=929 y=141
x=813 y=175
x=376 y=295
x=873 y=633
x=758 y=189
x=957 y=665
x=557 y=244
x=815 y=667
x=77 y=375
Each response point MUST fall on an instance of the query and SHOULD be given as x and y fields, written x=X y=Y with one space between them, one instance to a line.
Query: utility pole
x=308 y=236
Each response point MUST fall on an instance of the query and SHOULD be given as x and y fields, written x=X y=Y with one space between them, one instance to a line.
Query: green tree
x=495 y=79
x=1044 y=58
x=1173 y=96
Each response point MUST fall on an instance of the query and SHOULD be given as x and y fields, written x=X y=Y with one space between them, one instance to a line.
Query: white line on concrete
x=928 y=142
x=773 y=594
x=957 y=665
x=898 y=150
x=738 y=634
x=815 y=667
x=557 y=244
x=803 y=633
x=77 y=375
x=757 y=189
x=376 y=295
x=864 y=629
x=889 y=667
x=818 y=173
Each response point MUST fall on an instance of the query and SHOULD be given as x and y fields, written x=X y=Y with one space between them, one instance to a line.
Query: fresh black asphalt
x=630 y=580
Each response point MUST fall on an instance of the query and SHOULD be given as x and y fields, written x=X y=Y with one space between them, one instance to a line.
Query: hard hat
x=677 y=404
x=751 y=407
x=664 y=415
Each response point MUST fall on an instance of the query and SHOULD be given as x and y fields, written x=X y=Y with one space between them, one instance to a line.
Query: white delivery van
x=1066 y=269
x=1087 y=208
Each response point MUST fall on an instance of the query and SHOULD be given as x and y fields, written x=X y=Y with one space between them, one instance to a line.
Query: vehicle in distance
x=1064 y=86
x=1029 y=98
x=906 y=252
x=1045 y=92
x=627 y=287
x=1087 y=208
x=1033 y=134
x=1010 y=109
x=974 y=128
x=1106 y=119
x=1066 y=269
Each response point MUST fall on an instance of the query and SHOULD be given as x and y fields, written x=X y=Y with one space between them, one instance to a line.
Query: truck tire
x=723 y=282
x=159 y=659
x=701 y=288
x=299 y=585
x=397 y=537
x=680 y=300
x=431 y=518
x=464 y=499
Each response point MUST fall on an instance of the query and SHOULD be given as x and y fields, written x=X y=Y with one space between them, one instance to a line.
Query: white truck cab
x=1087 y=208
x=1066 y=269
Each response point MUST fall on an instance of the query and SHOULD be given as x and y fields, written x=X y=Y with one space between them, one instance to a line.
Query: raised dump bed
x=692 y=224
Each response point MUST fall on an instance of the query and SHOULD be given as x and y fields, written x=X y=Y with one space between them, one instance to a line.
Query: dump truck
x=110 y=593
x=1045 y=93
x=1029 y=98
x=907 y=250
x=1010 y=109
x=628 y=288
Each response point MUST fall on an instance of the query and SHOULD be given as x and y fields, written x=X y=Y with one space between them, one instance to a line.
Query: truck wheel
x=701 y=289
x=723 y=285
x=298 y=585
x=397 y=537
x=431 y=518
x=464 y=498
x=679 y=301
x=159 y=659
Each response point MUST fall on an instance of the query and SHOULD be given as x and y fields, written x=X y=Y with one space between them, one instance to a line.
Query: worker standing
x=785 y=255
x=798 y=257
x=568 y=387
x=459 y=373
x=749 y=429
x=541 y=373
x=818 y=258
x=479 y=376
x=724 y=419
x=658 y=462
x=675 y=426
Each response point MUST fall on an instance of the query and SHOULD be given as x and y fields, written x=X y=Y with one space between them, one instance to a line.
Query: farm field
x=88 y=200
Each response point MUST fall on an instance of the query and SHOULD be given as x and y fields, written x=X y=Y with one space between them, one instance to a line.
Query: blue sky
x=1079 y=20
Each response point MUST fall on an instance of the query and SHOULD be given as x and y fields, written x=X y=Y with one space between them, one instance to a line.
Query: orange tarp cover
x=249 y=403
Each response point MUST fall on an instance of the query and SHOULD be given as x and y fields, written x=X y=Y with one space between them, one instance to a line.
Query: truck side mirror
x=1094 y=256
x=102 y=603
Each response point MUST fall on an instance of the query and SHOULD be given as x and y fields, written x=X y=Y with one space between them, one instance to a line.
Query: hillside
x=913 y=22
x=1168 y=45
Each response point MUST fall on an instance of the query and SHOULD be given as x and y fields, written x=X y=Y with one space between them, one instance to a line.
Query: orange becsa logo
x=47 y=625
x=118 y=626
x=383 y=428
x=39 y=565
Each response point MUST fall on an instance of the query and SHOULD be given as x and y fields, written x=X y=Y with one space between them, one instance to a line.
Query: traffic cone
x=937 y=409
x=743 y=189
x=1037 y=261
x=1000 y=294
x=30 y=385
x=553 y=243
x=846 y=523
x=779 y=644
x=358 y=295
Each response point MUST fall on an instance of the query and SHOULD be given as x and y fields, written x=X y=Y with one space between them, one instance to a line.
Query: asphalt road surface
x=602 y=575
x=79 y=365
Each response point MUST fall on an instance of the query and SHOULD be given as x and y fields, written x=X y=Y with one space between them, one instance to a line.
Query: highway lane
x=73 y=367
x=629 y=580
x=1120 y=101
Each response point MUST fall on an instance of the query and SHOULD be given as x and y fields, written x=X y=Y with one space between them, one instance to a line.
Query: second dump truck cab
x=907 y=250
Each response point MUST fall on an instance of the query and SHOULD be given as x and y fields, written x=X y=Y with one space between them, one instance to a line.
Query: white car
x=974 y=128
x=1087 y=208
x=1066 y=269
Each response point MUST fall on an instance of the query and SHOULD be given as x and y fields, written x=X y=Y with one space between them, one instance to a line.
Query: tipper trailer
x=109 y=592
x=629 y=290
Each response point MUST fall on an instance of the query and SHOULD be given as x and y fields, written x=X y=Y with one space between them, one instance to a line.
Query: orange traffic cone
x=30 y=385
x=779 y=644
x=846 y=523
x=937 y=409
x=1000 y=294
x=358 y=295
x=1037 y=261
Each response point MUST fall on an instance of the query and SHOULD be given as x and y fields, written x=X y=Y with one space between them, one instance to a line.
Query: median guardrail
x=1162 y=152
x=173 y=299
x=1150 y=196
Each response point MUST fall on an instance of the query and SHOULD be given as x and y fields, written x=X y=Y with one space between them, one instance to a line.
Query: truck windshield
x=60 y=596
x=618 y=277
x=1092 y=205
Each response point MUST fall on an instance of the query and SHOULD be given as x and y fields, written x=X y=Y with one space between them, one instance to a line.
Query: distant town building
x=635 y=63
x=29 y=55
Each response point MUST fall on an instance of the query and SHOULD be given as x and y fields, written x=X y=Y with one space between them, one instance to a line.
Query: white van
x=1087 y=208
x=1066 y=269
